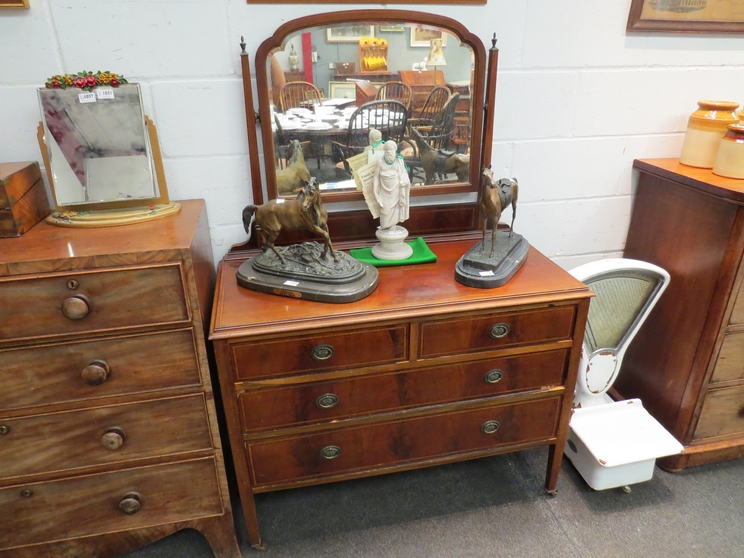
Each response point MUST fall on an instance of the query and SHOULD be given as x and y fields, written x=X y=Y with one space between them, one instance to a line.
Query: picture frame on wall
x=421 y=36
x=392 y=28
x=687 y=16
x=14 y=4
x=349 y=33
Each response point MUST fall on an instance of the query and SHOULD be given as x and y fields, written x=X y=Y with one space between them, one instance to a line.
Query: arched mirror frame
x=375 y=17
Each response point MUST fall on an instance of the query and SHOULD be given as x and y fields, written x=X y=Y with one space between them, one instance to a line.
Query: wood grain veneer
x=413 y=377
x=683 y=363
x=108 y=395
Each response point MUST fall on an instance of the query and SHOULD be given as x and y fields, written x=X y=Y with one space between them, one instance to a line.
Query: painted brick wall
x=578 y=99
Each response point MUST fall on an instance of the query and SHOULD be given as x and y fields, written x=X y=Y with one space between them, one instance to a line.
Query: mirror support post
x=490 y=103
x=250 y=118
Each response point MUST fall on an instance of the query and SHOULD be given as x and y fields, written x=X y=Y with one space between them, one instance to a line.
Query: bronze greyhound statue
x=495 y=196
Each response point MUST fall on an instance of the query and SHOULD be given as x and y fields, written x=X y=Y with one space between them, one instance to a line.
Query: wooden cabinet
x=686 y=362
x=108 y=432
x=423 y=371
x=422 y=83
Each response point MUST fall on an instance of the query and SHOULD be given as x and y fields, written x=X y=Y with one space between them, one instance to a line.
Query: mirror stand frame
x=354 y=228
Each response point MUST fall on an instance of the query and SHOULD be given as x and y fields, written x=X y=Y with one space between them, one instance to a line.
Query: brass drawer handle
x=499 y=330
x=493 y=376
x=330 y=452
x=114 y=438
x=327 y=401
x=130 y=503
x=490 y=426
x=76 y=307
x=27 y=493
x=96 y=373
x=322 y=352
x=4 y=428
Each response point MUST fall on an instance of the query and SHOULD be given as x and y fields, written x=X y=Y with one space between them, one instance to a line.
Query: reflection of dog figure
x=440 y=162
x=296 y=173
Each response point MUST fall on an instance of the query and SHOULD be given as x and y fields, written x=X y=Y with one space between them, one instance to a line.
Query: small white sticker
x=291 y=283
x=87 y=97
x=486 y=273
x=105 y=93
x=279 y=200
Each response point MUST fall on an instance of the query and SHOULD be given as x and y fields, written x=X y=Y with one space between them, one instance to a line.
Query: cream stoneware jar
x=705 y=128
x=730 y=158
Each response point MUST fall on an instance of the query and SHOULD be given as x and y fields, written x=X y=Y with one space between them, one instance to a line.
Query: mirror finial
x=493 y=42
x=242 y=45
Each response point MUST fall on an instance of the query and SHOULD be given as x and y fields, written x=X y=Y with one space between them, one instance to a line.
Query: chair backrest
x=438 y=134
x=395 y=91
x=434 y=104
x=627 y=291
x=297 y=94
x=389 y=117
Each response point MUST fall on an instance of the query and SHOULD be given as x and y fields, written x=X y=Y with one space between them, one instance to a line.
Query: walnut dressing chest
x=423 y=371
x=108 y=432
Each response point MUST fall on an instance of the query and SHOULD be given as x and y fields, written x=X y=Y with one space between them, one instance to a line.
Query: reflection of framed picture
x=342 y=89
x=392 y=28
x=687 y=16
x=420 y=36
x=13 y=4
x=349 y=33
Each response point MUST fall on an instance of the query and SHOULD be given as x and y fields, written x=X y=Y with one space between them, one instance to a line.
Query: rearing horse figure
x=495 y=196
x=306 y=211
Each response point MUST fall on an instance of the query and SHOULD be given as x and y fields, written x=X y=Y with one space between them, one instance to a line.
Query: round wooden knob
x=130 y=503
x=113 y=439
x=76 y=307
x=96 y=373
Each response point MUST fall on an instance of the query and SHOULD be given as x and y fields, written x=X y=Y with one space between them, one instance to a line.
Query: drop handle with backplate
x=76 y=307
x=96 y=372
x=330 y=452
x=327 y=401
x=114 y=438
x=490 y=426
x=498 y=331
x=493 y=376
x=322 y=352
x=130 y=503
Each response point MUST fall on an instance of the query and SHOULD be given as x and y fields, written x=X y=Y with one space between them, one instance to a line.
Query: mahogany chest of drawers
x=687 y=361
x=108 y=432
x=424 y=371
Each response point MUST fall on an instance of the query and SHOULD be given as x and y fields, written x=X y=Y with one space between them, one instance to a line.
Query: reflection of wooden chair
x=297 y=94
x=439 y=132
x=389 y=117
x=395 y=91
x=432 y=107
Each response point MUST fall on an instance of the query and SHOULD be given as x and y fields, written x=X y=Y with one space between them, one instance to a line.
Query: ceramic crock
x=730 y=159
x=705 y=128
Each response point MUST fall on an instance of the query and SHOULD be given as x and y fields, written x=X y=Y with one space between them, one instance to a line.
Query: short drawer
x=730 y=362
x=737 y=314
x=722 y=414
x=91 y=301
x=495 y=331
x=95 y=504
x=292 y=405
x=407 y=440
x=331 y=351
x=69 y=440
x=79 y=371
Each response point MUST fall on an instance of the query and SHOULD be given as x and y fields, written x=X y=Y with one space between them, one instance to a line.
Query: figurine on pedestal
x=491 y=263
x=387 y=198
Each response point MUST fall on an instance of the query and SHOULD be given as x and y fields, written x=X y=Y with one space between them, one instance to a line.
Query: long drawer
x=494 y=331
x=408 y=440
x=91 y=301
x=329 y=351
x=292 y=405
x=722 y=413
x=81 y=371
x=91 y=505
x=69 y=440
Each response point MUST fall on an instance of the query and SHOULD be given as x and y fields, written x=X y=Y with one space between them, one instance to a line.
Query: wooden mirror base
x=112 y=217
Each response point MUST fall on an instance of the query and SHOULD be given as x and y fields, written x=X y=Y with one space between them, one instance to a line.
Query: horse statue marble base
x=478 y=269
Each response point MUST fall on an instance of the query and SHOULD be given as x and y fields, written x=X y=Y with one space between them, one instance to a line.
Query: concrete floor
x=495 y=507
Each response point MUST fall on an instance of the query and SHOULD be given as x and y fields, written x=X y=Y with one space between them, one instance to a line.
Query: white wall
x=577 y=98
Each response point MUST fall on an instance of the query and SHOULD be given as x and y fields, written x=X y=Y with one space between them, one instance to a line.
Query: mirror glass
x=99 y=150
x=330 y=86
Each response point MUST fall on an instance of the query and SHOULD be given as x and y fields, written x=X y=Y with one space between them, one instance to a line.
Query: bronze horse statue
x=438 y=161
x=495 y=196
x=306 y=211
x=296 y=173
